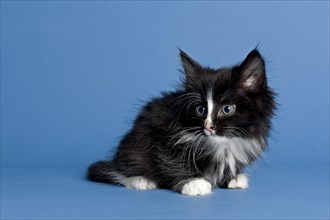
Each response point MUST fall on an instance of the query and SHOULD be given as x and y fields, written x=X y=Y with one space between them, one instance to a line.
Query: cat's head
x=231 y=101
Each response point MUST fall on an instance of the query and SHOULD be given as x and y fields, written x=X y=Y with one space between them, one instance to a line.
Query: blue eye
x=200 y=110
x=228 y=109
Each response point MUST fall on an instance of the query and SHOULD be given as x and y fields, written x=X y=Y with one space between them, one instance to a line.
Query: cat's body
x=198 y=137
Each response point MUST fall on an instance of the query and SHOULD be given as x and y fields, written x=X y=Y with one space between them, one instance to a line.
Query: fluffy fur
x=198 y=137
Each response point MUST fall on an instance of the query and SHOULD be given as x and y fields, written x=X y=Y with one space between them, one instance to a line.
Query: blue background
x=74 y=75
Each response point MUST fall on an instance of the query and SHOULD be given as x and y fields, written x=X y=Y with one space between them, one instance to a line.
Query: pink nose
x=209 y=126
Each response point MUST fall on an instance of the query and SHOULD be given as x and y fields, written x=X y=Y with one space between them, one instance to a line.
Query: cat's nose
x=209 y=126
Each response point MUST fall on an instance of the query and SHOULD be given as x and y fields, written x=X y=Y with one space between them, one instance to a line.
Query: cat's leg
x=196 y=187
x=139 y=183
x=133 y=182
x=240 y=182
x=104 y=172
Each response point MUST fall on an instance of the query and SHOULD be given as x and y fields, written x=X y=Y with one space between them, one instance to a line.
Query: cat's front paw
x=197 y=187
x=241 y=182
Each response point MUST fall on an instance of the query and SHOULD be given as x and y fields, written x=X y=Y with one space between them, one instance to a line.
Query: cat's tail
x=101 y=171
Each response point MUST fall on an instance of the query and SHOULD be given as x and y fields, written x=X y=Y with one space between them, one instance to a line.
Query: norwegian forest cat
x=198 y=137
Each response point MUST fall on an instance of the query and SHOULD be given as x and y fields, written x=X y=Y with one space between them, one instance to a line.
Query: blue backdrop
x=74 y=75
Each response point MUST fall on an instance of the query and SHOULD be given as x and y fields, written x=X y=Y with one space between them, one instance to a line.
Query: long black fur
x=154 y=147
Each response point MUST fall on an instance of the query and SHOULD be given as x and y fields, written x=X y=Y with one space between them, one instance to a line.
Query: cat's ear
x=190 y=66
x=252 y=72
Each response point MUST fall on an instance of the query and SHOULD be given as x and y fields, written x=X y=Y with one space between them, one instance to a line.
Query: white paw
x=241 y=182
x=139 y=183
x=197 y=187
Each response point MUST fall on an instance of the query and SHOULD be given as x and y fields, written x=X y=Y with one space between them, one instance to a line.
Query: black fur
x=155 y=147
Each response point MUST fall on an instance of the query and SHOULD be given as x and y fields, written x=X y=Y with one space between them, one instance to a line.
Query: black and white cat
x=198 y=137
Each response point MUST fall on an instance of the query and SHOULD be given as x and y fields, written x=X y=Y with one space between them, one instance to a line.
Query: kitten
x=198 y=137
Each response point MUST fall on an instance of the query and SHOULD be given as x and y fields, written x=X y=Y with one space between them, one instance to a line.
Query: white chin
x=208 y=133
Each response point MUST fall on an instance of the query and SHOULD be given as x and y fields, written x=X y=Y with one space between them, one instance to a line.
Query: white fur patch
x=197 y=187
x=139 y=183
x=235 y=149
x=210 y=106
x=230 y=160
x=224 y=149
x=135 y=182
x=241 y=182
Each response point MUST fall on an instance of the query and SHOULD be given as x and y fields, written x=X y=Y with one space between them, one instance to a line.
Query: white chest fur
x=230 y=151
x=226 y=152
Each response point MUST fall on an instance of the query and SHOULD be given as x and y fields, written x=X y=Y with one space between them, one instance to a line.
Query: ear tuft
x=252 y=71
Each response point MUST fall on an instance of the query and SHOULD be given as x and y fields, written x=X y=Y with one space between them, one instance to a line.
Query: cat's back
x=160 y=109
x=154 y=119
x=150 y=129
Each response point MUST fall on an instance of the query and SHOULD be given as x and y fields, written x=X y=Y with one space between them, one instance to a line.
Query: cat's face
x=230 y=102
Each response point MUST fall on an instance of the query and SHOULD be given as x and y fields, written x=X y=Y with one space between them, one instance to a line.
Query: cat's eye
x=228 y=109
x=200 y=110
